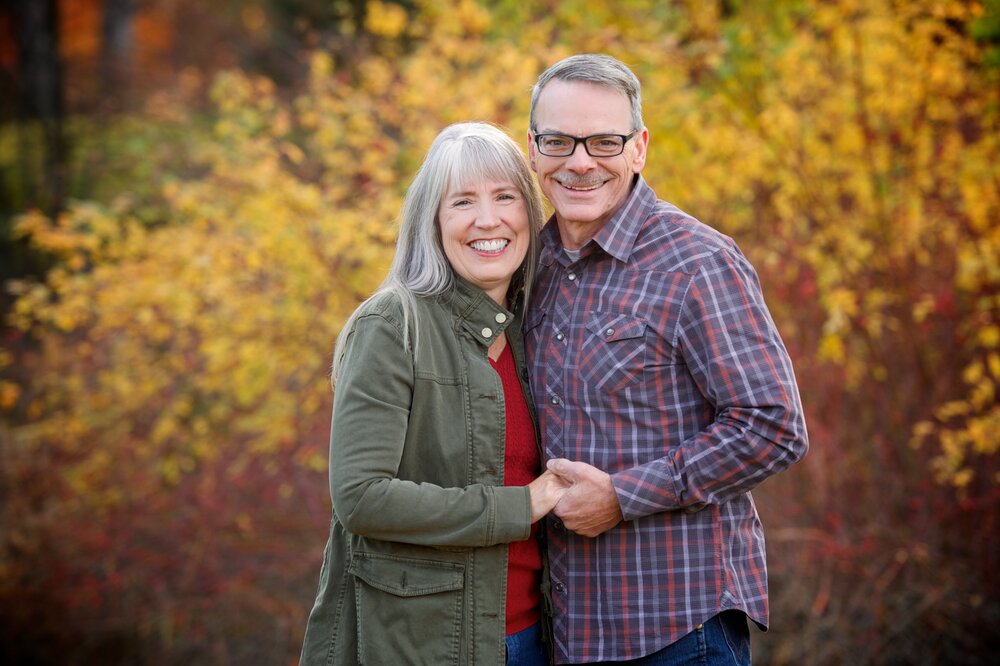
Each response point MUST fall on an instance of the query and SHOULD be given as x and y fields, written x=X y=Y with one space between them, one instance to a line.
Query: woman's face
x=485 y=233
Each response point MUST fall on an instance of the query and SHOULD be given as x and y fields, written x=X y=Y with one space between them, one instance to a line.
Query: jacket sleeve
x=370 y=415
x=736 y=357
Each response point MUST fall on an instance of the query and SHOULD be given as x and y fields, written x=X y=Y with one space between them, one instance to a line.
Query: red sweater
x=521 y=467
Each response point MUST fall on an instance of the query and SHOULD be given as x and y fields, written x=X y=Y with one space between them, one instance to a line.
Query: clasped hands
x=581 y=495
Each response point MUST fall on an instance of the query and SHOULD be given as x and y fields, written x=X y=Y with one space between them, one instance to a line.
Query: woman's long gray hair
x=462 y=154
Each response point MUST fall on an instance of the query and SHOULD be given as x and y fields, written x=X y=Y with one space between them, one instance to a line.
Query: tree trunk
x=116 y=51
x=40 y=85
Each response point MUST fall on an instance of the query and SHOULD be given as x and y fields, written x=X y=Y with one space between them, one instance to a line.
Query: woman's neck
x=497 y=347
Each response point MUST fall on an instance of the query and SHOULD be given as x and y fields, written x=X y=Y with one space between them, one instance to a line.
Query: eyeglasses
x=596 y=145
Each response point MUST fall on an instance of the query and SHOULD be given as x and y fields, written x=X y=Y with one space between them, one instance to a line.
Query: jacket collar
x=475 y=312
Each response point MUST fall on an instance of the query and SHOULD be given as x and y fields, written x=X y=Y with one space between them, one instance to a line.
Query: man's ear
x=641 y=143
x=532 y=152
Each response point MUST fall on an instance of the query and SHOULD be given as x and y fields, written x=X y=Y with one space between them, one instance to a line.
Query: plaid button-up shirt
x=653 y=357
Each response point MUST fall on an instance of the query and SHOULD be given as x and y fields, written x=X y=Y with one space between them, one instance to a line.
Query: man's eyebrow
x=564 y=133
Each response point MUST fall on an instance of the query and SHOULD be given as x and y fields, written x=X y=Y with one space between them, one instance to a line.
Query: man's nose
x=580 y=159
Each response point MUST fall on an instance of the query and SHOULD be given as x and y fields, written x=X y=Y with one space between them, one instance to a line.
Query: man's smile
x=579 y=185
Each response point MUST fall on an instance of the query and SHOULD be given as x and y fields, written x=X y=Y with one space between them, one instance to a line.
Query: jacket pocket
x=409 y=610
x=615 y=351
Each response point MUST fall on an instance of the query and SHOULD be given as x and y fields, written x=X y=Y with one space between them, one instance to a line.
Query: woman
x=433 y=455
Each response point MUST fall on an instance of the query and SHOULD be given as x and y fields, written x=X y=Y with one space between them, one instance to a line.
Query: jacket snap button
x=501 y=317
x=487 y=332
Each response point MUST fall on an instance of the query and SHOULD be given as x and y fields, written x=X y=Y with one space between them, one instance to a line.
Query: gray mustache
x=575 y=181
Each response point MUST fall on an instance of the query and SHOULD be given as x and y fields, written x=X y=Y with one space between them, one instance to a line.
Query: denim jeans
x=724 y=640
x=525 y=648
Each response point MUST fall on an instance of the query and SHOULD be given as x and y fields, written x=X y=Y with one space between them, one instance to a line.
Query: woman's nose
x=487 y=216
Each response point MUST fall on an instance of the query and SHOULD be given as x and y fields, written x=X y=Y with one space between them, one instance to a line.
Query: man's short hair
x=596 y=68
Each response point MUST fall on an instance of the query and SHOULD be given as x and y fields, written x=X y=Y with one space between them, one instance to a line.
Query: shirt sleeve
x=370 y=416
x=736 y=358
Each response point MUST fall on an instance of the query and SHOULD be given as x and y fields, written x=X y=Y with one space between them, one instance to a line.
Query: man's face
x=584 y=190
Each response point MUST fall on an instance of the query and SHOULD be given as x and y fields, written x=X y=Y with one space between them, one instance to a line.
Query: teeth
x=582 y=189
x=494 y=245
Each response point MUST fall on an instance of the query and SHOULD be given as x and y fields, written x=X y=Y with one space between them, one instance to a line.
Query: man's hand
x=590 y=507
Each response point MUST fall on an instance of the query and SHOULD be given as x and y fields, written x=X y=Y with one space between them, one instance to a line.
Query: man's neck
x=575 y=235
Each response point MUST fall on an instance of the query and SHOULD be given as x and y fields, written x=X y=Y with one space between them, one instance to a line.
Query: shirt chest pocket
x=532 y=322
x=614 y=351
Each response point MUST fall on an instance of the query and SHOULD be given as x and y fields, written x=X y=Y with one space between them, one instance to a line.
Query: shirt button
x=487 y=332
x=560 y=588
x=571 y=277
x=609 y=332
x=555 y=400
x=501 y=317
x=560 y=337
x=557 y=525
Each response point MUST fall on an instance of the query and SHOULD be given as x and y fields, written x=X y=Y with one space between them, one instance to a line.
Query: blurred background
x=194 y=195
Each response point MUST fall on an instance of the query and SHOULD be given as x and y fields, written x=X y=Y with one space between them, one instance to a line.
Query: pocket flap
x=611 y=327
x=533 y=320
x=407 y=577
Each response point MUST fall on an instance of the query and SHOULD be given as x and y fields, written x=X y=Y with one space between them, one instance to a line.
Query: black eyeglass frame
x=584 y=139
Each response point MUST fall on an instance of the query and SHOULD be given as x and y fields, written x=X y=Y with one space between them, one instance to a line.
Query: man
x=664 y=393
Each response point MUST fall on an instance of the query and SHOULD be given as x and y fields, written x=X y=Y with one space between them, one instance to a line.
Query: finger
x=564 y=468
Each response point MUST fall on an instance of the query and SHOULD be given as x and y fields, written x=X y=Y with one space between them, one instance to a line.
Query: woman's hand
x=546 y=491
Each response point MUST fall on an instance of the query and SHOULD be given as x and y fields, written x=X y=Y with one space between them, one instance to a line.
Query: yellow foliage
x=9 y=393
x=989 y=336
x=993 y=362
x=385 y=19
x=831 y=348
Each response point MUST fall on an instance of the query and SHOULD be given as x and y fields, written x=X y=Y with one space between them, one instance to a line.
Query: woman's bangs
x=475 y=165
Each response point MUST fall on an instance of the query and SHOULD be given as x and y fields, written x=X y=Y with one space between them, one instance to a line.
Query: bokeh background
x=194 y=195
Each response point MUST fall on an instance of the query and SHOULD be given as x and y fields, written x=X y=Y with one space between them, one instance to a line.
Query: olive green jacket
x=415 y=570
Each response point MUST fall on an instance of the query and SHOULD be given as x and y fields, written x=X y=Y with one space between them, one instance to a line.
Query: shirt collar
x=617 y=236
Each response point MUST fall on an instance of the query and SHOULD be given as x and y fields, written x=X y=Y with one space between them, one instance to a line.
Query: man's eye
x=555 y=142
x=606 y=143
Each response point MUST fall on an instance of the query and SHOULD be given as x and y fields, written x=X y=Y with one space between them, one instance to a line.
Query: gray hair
x=461 y=154
x=596 y=68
